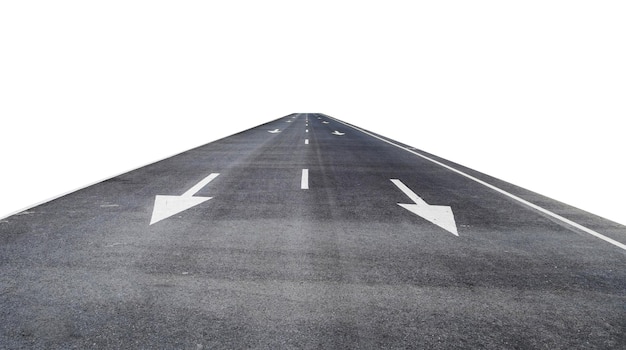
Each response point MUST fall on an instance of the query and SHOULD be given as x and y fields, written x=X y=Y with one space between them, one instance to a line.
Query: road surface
x=308 y=232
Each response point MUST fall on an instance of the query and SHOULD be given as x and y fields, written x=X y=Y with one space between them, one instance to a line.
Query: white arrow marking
x=499 y=190
x=288 y=121
x=437 y=214
x=324 y=122
x=338 y=133
x=274 y=131
x=166 y=206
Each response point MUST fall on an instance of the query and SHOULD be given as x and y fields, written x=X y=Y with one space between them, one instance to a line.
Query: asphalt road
x=304 y=244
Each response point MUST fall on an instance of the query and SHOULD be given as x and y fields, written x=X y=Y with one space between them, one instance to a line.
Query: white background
x=532 y=92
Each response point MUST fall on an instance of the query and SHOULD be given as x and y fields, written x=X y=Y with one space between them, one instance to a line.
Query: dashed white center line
x=304 y=183
x=306 y=141
x=307 y=130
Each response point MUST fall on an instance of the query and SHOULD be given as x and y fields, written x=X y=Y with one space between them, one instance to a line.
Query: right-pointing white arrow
x=439 y=215
x=337 y=133
x=274 y=131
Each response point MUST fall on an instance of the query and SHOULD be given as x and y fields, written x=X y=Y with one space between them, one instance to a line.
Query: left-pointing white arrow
x=338 y=133
x=166 y=206
x=274 y=131
x=437 y=214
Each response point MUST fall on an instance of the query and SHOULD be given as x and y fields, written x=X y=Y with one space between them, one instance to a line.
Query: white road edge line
x=304 y=183
x=510 y=195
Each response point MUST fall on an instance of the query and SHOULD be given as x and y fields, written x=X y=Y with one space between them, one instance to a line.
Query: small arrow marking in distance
x=166 y=206
x=324 y=122
x=437 y=214
x=274 y=131
x=338 y=133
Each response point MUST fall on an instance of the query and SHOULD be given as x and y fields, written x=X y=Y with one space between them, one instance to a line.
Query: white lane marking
x=304 y=182
x=307 y=130
x=166 y=206
x=274 y=131
x=439 y=215
x=109 y=205
x=412 y=195
x=510 y=195
x=306 y=141
x=197 y=187
x=337 y=133
x=324 y=122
